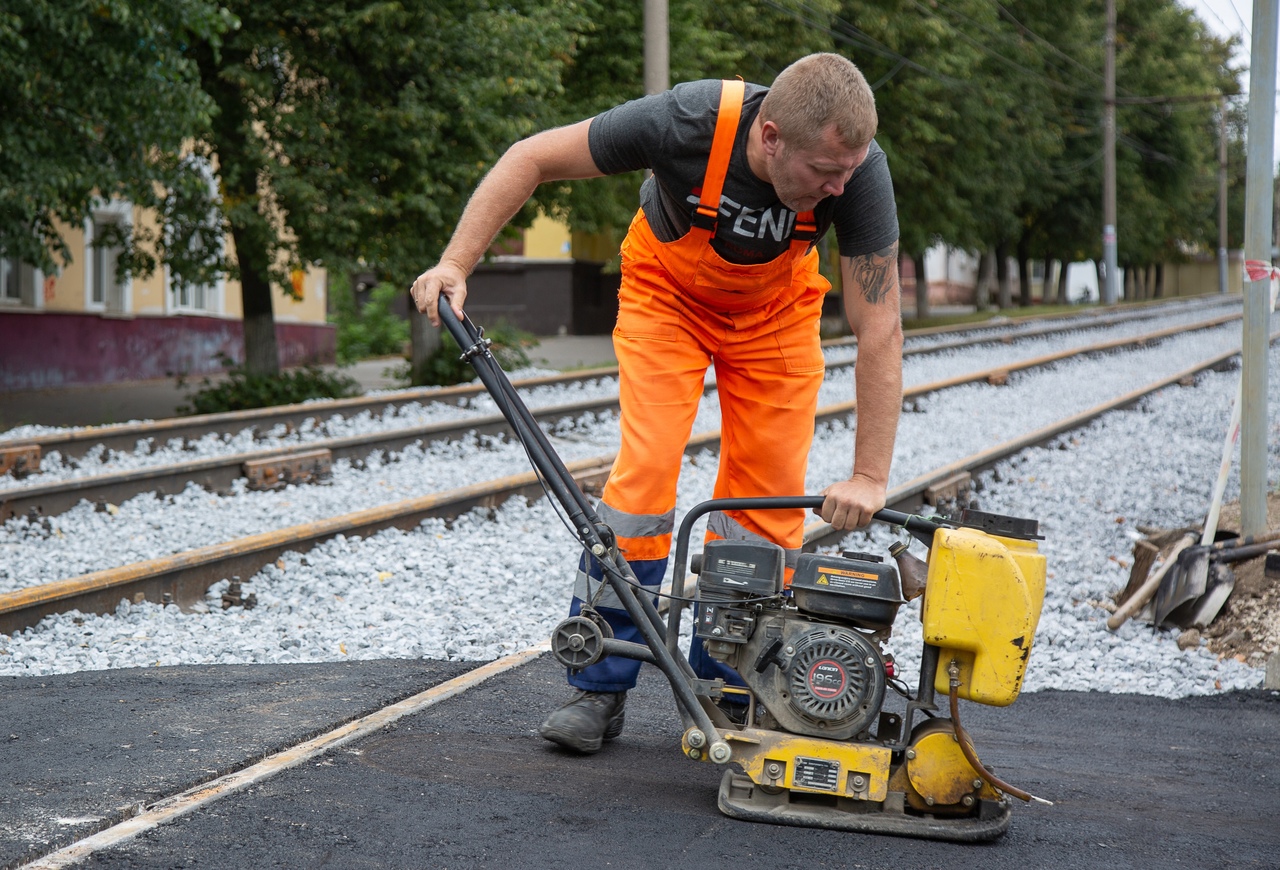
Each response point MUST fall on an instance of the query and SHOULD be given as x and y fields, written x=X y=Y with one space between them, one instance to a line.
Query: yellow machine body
x=936 y=776
x=777 y=759
x=981 y=607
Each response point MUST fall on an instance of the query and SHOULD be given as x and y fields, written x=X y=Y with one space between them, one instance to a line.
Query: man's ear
x=770 y=140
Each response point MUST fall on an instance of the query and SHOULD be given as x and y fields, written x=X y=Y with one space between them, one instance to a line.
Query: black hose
x=966 y=745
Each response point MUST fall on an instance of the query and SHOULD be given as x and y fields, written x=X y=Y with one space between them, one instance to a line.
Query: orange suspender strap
x=708 y=210
x=806 y=228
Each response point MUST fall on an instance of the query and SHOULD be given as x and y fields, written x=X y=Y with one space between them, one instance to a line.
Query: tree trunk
x=1159 y=289
x=986 y=268
x=1002 y=277
x=1130 y=283
x=239 y=166
x=1046 y=295
x=922 y=287
x=1062 y=283
x=1024 y=281
x=261 y=354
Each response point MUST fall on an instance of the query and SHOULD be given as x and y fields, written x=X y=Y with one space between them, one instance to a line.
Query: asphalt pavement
x=1137 y=782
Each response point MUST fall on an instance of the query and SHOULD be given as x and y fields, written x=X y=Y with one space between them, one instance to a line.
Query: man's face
x=805 y=177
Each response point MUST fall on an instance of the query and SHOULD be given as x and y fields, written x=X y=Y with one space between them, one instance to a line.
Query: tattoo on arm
x=875 y=274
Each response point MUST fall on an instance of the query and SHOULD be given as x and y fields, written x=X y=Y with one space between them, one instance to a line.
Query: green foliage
x=243 y=389
x=353 y=133
x=374 y=330
x=446 y=366
x=98 y=97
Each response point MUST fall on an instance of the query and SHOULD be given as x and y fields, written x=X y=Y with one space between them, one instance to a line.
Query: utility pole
x=1109 y=294
x=1222 y=197
x=1259 y=196
x=657 y=74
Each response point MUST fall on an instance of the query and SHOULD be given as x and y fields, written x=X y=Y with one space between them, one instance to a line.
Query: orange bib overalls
x=682 y=306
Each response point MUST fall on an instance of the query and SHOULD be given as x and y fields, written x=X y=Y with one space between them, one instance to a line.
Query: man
x=719 y=266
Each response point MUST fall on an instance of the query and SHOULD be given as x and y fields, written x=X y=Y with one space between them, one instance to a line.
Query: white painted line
x=170 y=808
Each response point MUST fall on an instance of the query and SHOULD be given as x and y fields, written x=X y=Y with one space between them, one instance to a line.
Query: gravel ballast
x=481 y=587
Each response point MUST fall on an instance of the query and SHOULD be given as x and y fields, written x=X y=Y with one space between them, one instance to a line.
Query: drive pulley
x=578 y=642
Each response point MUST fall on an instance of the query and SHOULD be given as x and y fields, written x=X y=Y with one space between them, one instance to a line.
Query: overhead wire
x=1240 y=18
x=849 y=34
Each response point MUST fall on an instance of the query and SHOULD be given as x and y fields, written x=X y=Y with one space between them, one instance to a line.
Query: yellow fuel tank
x=981 y=606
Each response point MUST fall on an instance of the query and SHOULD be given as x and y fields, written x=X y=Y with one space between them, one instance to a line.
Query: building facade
x=82 y=325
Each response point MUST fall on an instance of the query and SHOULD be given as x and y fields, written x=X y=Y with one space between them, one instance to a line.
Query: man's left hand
x=850 y=504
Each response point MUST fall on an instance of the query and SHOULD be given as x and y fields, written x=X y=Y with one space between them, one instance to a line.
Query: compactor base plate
x=740 y=798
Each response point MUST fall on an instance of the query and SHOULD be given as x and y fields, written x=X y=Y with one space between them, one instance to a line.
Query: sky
x=1231 y=18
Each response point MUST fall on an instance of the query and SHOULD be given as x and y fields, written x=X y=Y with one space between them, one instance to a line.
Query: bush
x=374 y=330
x=242 y=390
x=444 y=367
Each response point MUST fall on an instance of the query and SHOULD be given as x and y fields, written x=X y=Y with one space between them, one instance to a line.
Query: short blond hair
x=816 y=91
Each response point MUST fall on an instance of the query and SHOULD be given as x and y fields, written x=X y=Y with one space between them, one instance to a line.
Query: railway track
x=183 y=578
x=25 y=452
x=312 y=460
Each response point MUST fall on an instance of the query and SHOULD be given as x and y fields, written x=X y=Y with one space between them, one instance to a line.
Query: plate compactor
x=809 y=739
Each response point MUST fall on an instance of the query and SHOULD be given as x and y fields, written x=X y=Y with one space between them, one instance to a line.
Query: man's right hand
x=443 y=279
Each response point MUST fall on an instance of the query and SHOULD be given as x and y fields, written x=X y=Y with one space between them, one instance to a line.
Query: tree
x=754 y=39
x=97 y=99
x=350 y=134
x=948 y=123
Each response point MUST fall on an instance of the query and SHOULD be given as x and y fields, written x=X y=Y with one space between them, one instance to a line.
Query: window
x=106 y=287
x=17 y=282
x=105 y=232
x=201 y=298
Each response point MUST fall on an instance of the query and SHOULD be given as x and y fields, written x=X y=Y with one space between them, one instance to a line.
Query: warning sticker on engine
x=845 y=578
x=817 y=773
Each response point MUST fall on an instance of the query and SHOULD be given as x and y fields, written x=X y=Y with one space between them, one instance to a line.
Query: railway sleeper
x=274 y=472
x=20 y=460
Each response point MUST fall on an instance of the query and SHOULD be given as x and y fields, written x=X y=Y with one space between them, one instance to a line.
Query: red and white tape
x=1260 y=270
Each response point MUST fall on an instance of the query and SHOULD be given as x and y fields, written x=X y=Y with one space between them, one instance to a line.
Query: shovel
x=1193 y=577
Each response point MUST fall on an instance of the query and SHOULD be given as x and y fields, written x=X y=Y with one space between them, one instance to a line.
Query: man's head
x=816 y=92
x=814 y=128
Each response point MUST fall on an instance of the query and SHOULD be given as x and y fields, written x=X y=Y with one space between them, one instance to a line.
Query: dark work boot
x=586 y=721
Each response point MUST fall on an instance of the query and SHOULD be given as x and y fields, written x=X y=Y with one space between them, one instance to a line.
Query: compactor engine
x=815 y=660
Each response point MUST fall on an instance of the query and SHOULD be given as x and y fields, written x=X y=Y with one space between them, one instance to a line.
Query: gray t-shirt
x=671 y=134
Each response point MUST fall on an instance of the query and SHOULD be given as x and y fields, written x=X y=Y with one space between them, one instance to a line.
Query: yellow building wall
x=547 y=239
x=312 y=286
x=65 y=290
x=147 y=294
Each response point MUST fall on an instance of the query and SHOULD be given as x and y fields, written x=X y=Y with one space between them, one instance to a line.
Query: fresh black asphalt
x=1138 y=782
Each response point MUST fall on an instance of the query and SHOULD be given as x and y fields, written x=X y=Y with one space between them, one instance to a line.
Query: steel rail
x=218 y=473
x=185 y=577
x=124 y=436
x=1041 y=333
x=1137 y=310
x=76 y=443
